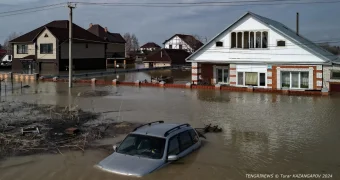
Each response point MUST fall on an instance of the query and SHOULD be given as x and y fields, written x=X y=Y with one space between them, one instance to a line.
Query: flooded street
x=262 y=133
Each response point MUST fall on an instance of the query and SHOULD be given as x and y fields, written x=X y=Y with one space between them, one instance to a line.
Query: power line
x=39 y=7
x=202 y=5
x=38 y=10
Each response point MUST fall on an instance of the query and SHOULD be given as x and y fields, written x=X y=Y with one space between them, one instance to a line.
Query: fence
x=113 y=72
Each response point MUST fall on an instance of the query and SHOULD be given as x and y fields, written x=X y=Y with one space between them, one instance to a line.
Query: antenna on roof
x=297 y=23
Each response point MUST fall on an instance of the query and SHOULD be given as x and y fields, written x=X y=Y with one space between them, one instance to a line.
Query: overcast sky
x=317 y=21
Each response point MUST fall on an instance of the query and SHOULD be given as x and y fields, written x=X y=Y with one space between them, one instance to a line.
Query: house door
x=222 y=75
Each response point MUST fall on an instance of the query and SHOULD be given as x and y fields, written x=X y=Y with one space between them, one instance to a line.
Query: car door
x=185 y=143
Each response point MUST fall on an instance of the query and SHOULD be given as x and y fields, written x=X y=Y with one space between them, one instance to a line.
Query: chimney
x=105 y=29
x=90 y=25
x=297 y=23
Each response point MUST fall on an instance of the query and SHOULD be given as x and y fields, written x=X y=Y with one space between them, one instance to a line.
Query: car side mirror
x=173 y=158
x=115 y=147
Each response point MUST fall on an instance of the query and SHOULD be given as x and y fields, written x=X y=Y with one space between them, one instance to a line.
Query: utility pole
x=70 y=68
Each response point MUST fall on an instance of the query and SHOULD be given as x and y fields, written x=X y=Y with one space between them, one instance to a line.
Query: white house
x=183 y=41
x=260 y=52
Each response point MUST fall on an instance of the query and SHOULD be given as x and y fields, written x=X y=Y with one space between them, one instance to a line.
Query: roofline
x=280 y=32
x=259 y=62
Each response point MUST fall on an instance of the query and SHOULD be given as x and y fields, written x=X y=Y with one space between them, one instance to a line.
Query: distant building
x=3 y=52
x=183 y=41
x=166 y=57
x=45 y=50
x=115 y=48
x=150 y=46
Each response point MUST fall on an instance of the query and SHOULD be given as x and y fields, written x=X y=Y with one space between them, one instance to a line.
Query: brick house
x=259 y=52
x=45 y=50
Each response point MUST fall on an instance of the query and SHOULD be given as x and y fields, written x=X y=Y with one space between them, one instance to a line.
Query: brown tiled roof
x=60 y=30
x=150 y=45
x=189 y=39
x=107 y=36
x=175 y=56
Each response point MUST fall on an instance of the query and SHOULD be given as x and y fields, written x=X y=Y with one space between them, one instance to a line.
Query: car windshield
x=143 y=146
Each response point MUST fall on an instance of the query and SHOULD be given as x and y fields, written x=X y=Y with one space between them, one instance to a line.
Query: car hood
x=129 y=165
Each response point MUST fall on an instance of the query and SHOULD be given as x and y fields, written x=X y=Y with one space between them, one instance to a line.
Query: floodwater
x=262 y=133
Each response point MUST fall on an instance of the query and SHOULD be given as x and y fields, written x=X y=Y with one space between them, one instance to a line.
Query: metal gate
x=334 y=87
x=47 y=68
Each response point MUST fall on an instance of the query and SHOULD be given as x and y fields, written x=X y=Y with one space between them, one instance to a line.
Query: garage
x=334 y=87
x=47 y=68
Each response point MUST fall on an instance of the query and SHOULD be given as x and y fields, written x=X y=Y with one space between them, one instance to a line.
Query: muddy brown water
x=262 y=133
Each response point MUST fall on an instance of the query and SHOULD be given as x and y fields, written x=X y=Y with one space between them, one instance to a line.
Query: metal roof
x=284 y=31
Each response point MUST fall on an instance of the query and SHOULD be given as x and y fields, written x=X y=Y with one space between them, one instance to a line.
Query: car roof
x=159 y=129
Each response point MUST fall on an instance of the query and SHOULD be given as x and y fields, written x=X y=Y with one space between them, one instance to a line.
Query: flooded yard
x=262 y=133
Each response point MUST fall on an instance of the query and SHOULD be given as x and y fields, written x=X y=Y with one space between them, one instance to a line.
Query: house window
x=180 y=46
x=262 y=79
x=28 y=67
x=22 y=49
x=219 y=44
x=233 y=40
x=239 y=40
x=258 y=40
x=240 y=78
x=170 y=46
x=264 y=39
x=251 y=40
x=46 y=48
x=281 y=43
x=246 y=40
x=297 y=80
x=251 y=78
x=222 y=75
x=335 y=74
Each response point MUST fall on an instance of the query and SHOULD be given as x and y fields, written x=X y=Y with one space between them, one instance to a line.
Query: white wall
x=175 y=42
x=79 y=51
x=290 y=53
x=31 y=51
x=47 y=40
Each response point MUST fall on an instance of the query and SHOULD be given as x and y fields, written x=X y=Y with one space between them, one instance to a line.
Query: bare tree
x=135 y=43
x=7 y=45
x=132 y=44
x=332 y=49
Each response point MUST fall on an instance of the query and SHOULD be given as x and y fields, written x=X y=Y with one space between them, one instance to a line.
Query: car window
x=194 y=136
x=173 y=146
x=185 y=140
x=142 y=146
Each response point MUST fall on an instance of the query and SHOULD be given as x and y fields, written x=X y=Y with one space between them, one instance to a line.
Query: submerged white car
x=150 y=147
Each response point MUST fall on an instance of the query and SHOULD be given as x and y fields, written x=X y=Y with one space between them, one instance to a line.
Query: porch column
x=195 y=72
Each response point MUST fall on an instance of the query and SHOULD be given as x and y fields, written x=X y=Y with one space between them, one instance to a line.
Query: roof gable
x=99 y=31
x=150 y=45
x=188 y=39
x=61 y=31
x=282 y=30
